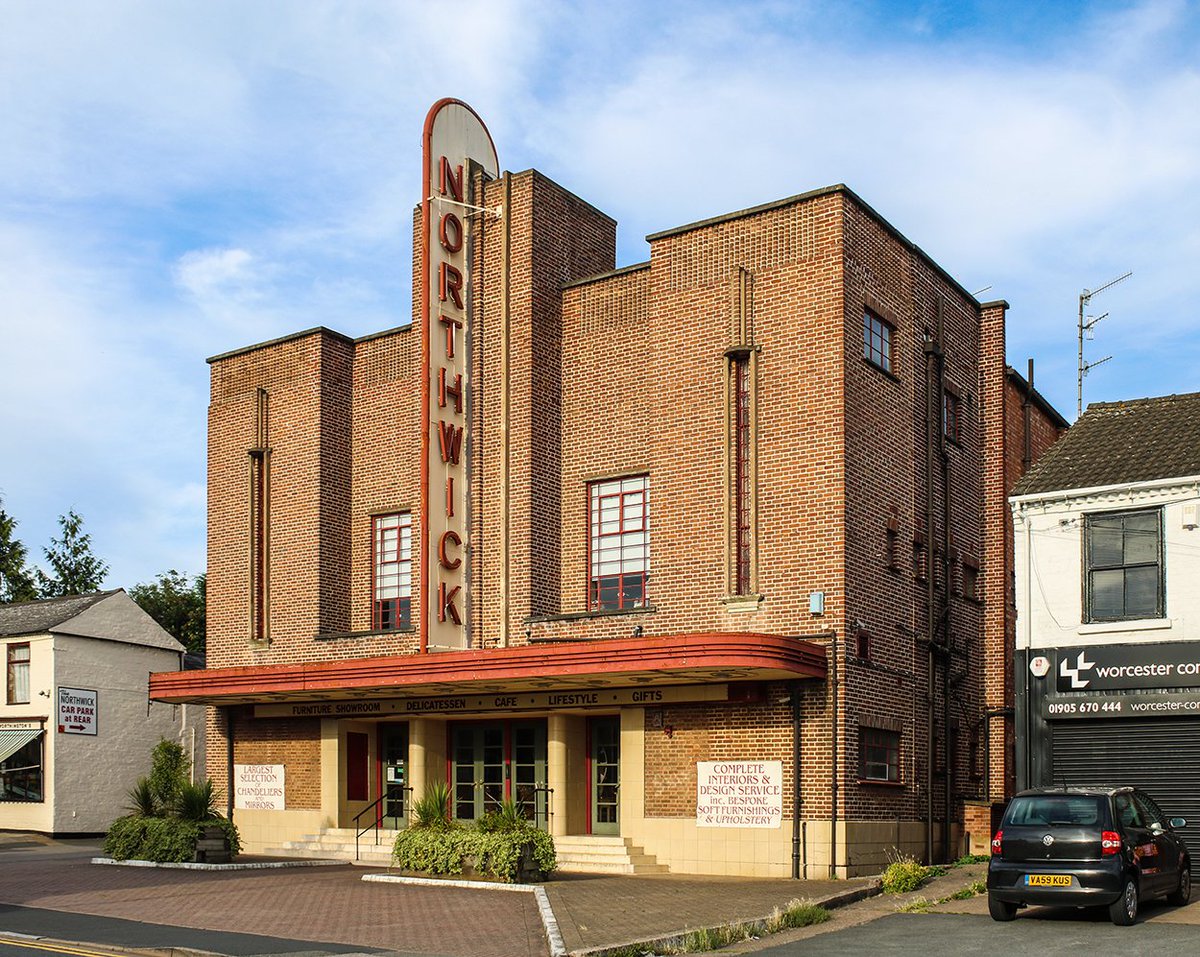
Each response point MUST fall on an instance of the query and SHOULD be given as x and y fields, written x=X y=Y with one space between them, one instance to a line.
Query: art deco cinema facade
x=693 y=553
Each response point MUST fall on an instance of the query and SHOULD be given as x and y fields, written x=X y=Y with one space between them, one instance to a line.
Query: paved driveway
x=306 y=904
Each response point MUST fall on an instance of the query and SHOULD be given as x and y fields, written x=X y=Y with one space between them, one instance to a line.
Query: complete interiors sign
x=739 y=793
x=1128 y=667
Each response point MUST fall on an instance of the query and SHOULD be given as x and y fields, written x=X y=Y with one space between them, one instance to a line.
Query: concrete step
x=602 y=854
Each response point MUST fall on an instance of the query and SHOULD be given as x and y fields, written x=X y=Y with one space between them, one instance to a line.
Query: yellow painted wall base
x=261 y=830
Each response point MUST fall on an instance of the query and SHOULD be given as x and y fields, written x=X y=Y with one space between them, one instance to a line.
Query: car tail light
x=998 y=843
x=1110 y=842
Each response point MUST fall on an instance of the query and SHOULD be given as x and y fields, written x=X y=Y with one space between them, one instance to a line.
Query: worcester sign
x=455 y=138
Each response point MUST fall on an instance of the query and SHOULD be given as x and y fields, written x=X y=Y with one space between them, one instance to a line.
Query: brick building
x=705 y=555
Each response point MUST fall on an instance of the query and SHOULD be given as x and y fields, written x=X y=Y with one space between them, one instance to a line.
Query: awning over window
x=13 y=740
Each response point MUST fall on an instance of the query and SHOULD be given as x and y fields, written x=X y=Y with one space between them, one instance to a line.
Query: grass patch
x=923 y=905
x=796 y=914
x=904 y=874
x=972 y=859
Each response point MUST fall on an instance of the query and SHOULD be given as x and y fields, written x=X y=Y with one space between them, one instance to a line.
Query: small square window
x=879 y=755
x=877 y=341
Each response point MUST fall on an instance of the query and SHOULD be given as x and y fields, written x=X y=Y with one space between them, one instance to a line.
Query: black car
x=1086 y=846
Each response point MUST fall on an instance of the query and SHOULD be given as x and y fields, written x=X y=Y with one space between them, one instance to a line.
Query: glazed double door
x=498 y=760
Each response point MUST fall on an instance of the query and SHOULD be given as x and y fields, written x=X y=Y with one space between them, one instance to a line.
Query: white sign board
x=739 y=793
x=258 y=787
x=77 y=709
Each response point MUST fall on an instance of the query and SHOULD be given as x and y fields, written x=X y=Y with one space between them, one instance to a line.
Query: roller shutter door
x=1160 y=756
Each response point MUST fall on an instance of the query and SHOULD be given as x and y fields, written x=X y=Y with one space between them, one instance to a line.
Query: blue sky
x=178 y=179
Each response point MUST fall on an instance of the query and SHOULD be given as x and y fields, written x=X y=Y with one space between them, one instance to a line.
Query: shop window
x=879 y=755
x=18 y=674
x=391 y=591
x=619 y=543
x=21 y=771
x=877 y=341
x=1124 y=568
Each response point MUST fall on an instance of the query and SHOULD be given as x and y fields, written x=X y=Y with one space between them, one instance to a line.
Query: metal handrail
x=388 y=794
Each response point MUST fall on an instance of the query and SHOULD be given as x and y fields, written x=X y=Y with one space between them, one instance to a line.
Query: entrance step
x=337 y=844
x=594 y=854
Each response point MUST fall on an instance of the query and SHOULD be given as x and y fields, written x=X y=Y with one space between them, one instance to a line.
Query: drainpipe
x=833 y=817
x=932 y=351
x=797 y=859
x=229 y=762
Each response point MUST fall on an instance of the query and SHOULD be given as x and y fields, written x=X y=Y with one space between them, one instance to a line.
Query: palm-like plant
x=142 y=802
x=433 y=810
x=197 y=802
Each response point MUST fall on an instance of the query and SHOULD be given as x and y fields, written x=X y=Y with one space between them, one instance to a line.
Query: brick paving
x=313 y=904
x=333 y=904
x=594 y=910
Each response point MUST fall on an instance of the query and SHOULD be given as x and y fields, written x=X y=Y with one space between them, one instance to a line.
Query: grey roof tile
x=1119 y=443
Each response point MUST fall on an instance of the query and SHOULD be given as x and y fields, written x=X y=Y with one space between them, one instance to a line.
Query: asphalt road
x=114 y=932
x=1050 y=932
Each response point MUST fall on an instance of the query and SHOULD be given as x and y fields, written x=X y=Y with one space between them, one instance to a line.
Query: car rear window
x=1047 y=810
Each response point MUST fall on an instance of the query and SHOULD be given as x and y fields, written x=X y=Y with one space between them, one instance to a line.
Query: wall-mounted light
x=669 y=730
x=637 y=631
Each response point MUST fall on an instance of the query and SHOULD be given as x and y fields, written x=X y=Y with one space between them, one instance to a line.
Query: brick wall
x=623 y=373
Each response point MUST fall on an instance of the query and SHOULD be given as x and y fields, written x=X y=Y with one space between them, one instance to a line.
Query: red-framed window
x=391 y=582
x=877 y=341
x=741 y=478
x=879 y=755
x=618 y=543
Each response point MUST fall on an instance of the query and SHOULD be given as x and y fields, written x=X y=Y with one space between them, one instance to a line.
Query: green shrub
x=904 y=874
x=168 y=772
x=166 y=840
x=493 y=853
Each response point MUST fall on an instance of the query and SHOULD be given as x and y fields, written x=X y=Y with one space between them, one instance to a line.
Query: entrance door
x=605 y=760
x=393 y=761
x=496 y=761
x=529 y=770
x=478 y=769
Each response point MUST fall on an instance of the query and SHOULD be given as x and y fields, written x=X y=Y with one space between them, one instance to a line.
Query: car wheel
x=1001 y=910
x=1124 y=910
x=1182 y=894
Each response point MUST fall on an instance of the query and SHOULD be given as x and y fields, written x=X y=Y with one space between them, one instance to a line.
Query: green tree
x=76 y=569
x=177 y=603
x=16 y=584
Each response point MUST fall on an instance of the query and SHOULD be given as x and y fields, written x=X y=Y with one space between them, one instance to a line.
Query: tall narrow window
x=18 y=674
x=741 y=474
x=952 y=416
x=619 y=543
x=877 y=341
x=391 y=606
x=260 y=522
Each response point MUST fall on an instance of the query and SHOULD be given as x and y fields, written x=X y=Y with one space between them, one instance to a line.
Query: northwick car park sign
x=1089 y=681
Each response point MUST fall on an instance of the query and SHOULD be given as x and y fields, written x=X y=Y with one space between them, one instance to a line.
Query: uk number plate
x=1048 y=880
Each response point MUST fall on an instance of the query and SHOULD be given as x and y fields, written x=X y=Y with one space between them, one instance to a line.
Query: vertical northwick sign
x=454 y=138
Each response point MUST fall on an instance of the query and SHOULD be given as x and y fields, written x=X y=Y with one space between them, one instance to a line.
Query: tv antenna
x=1087 y=329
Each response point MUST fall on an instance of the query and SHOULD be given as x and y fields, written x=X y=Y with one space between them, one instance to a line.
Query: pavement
x=49 y=889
